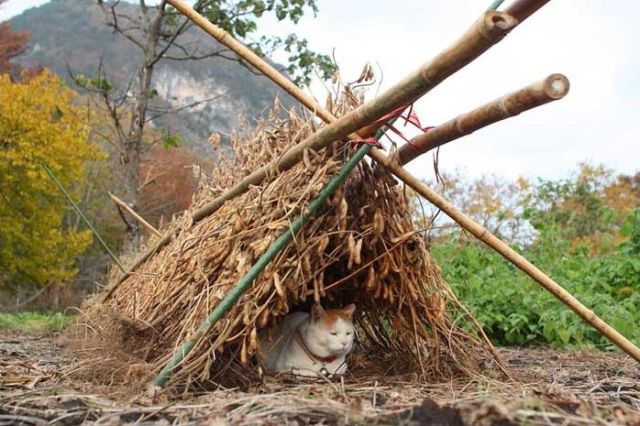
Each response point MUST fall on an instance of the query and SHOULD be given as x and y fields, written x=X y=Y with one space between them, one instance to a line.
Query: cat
x=311 y=344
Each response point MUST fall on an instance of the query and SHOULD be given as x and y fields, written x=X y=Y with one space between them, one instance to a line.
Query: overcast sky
x=595 y=44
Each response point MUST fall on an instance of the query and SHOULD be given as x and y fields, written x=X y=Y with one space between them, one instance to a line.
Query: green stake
x=84 y=218
x=495 y=5
x=232 y=297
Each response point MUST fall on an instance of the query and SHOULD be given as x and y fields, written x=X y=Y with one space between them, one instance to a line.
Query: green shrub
x=515 y=310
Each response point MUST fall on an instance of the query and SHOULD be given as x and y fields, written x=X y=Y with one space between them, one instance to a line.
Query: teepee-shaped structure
x=298 y=218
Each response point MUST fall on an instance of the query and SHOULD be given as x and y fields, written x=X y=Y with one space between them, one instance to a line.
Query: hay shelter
x=362 y=247
x=191 y=308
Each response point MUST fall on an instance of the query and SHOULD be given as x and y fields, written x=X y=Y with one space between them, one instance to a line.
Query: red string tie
x=368 y=141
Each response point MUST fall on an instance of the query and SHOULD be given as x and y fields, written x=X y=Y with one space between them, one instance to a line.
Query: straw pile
x=362 y=248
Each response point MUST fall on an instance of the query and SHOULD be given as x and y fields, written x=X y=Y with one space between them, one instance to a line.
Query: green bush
x=515 y=310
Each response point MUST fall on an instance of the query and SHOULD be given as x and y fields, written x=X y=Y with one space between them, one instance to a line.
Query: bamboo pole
x=485 y=32
x=84 y=218
x=135 y=215
x=552 y=88
x=522 y=9
x=142 y=259
x=245 y=282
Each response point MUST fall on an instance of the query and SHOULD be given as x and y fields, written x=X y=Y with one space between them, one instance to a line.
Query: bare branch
x=114 y=23
x=182 y=108
x=195 y=57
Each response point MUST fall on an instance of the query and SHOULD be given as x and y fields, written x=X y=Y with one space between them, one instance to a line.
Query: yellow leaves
x=39 y=124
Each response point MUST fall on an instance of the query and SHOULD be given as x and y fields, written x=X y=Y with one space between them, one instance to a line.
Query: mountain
x=70 y=37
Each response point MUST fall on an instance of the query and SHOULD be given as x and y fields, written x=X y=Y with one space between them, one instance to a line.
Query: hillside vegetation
x=70 y=38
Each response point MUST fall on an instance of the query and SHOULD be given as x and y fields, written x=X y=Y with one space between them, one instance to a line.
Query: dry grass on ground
x=572 y=388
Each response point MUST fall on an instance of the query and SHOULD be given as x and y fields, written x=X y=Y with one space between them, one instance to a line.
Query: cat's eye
x=333 y=333
x=348 y=333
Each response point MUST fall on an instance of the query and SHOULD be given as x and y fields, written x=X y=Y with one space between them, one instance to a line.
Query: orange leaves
x=167 y=182
x=12 y=43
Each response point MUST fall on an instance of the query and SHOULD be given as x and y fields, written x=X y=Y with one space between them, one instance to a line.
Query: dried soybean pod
x=324 y=243
x=306 y=160
x=344 y=209
x=253 y=340
x=243 y=353
x=263 y=319
x=246 y=314
x=278 y=285
x=357 y=257
x=351 y=248
x=371 y=276
x=386 y=267
x=378 y=222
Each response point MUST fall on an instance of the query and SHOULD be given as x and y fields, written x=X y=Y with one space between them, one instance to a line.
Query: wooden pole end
x=556 y=86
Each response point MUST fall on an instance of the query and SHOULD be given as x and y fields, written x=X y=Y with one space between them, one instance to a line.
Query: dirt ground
x=551 y=387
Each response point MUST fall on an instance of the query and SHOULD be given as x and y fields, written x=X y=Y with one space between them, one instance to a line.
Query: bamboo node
x=493 y=26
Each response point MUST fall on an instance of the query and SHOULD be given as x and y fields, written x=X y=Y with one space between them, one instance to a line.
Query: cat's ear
x=317 y=313
x=349 y=309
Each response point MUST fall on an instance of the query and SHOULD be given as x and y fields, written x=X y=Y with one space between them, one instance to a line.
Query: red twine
x=368 y=141
x=411 y=118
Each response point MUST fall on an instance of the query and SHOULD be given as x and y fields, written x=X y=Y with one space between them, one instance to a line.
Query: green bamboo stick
x=232 y=297
x=84 y=218
x=495 y=4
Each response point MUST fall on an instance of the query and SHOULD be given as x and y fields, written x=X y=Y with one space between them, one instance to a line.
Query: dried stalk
x=231 y=298
x=175 y=290
x=552 y=88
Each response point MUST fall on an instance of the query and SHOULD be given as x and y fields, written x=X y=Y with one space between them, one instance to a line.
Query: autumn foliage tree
x=587 y=209
x=169 y=182
x=12 y=43
x=39 y=124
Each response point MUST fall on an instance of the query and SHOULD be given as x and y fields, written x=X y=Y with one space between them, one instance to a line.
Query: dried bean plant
x=362 y=247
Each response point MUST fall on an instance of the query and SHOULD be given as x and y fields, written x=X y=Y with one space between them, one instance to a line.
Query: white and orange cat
x=311 y=344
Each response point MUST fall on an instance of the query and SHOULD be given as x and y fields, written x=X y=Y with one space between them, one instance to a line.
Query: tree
x=12 y=44
x=587 y=209
x=158 y=33
x=492 y=201
x=39 y=124
x=169 y=182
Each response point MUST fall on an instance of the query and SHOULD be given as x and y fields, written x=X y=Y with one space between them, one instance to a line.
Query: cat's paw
x=304 y=372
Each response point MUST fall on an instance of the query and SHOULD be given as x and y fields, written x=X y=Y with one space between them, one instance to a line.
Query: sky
x=595 y=44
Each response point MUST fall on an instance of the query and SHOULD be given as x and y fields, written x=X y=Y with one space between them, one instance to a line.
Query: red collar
x=323 y=360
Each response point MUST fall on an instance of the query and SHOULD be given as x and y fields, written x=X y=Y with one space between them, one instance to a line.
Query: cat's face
x=333 y=328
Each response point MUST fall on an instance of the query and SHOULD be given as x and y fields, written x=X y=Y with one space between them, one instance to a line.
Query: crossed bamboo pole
x=482 y=35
